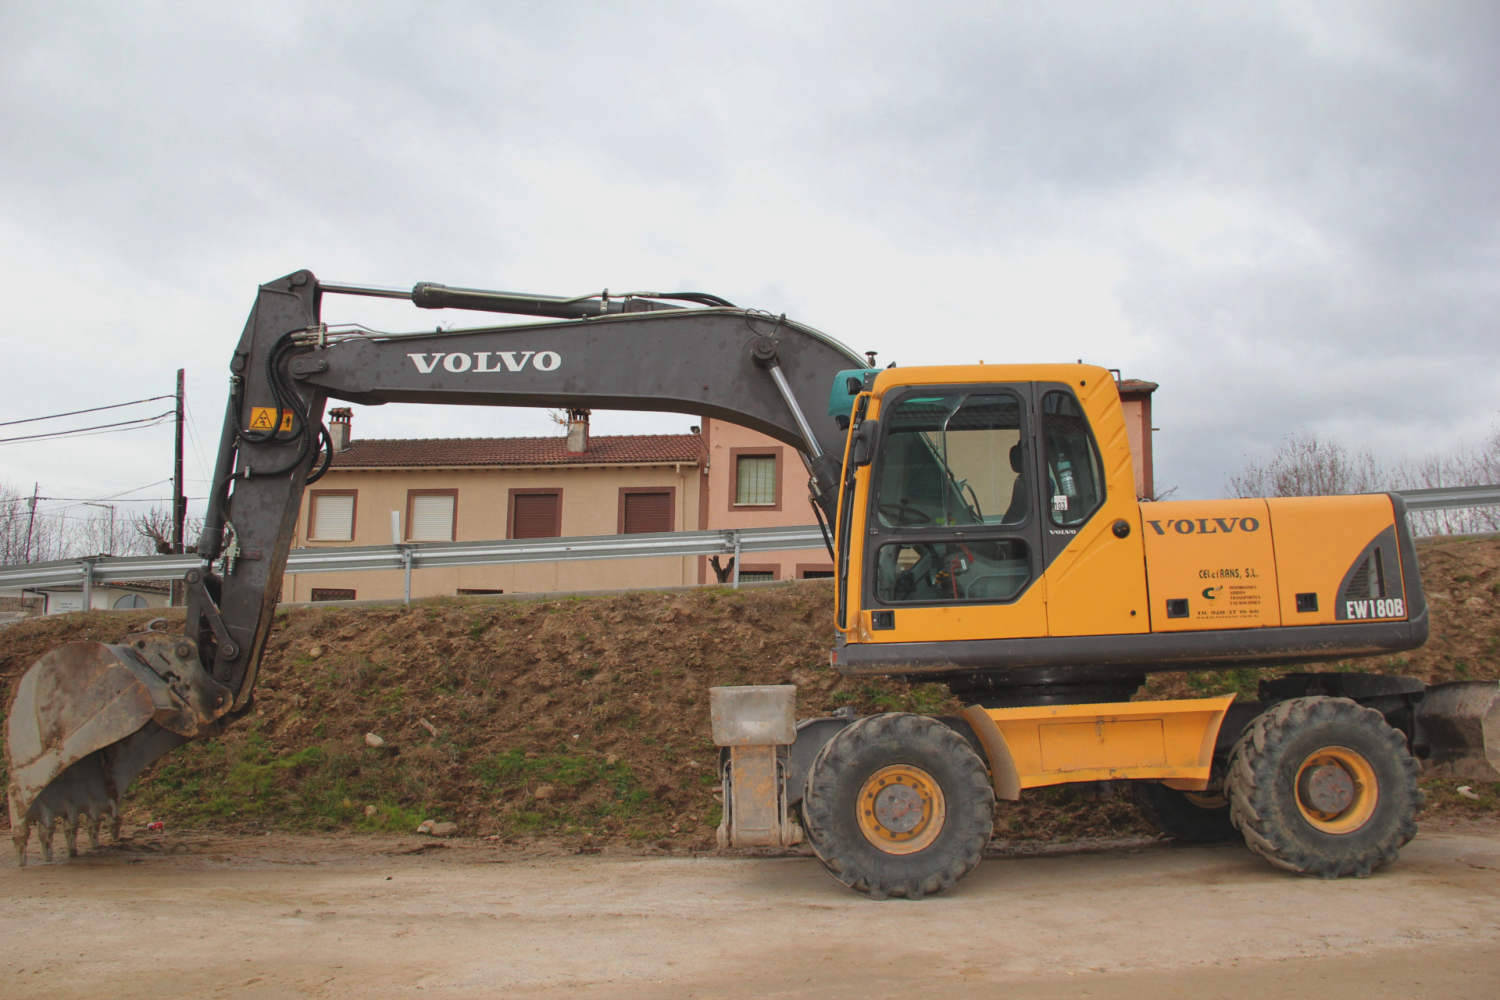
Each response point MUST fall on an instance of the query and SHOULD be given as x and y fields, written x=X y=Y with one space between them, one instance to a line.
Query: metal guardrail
x=1448 y=497
x=95 y=570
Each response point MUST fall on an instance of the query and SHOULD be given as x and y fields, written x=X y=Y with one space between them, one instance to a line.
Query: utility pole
x=179 y=497
x=35 y=489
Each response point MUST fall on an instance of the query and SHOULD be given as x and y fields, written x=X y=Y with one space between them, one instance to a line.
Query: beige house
x=458 y=489
x=753 y=481
x=722 y=476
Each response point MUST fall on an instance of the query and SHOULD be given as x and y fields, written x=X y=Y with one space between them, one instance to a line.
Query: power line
x=116 y=499
x=114 y=428
x=92 y=409
x=63 y=513
x=194 y=436
x=113 y=498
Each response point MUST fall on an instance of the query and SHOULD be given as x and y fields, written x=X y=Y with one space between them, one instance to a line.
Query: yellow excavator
x=986 y=531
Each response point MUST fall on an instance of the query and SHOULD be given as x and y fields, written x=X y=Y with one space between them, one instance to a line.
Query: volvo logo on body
x=1205 y=525
x=487 y=362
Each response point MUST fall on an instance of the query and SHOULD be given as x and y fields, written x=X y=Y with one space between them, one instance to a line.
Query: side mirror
x=862 y=448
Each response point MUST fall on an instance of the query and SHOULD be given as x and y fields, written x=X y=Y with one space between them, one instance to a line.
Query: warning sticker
x=263 y=417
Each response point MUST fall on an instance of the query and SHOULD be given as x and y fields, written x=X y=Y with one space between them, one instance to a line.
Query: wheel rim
x=1336 y=790
x=1206 y=800
x=901 y=809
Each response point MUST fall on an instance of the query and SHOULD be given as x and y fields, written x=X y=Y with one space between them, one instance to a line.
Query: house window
x=534 y=514
x=757 y=574
x=646 y=509
x=756 y=475
x=330 y=516
x=430 y=515
x=332 y=594
x=128 y=602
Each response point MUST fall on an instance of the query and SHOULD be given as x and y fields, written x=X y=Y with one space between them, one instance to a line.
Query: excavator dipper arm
x=89 y=717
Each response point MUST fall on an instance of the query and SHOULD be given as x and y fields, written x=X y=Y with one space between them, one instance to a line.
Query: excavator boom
x=88 y=717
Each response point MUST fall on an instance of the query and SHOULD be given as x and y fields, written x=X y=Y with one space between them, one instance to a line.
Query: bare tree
x=1461 y=467
x=722 y=571
x=155 y=526
x=27 y=535
x=1305 y=467
x=105 y=531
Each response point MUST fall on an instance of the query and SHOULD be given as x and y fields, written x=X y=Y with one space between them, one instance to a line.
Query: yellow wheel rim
x=1336 y=790
x=901 y=809
x=1206 y=800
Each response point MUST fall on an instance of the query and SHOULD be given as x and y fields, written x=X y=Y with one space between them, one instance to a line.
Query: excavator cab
x=975 y=494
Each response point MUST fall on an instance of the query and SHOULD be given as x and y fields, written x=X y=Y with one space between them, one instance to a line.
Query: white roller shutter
x=432 y=517
x=332 y=517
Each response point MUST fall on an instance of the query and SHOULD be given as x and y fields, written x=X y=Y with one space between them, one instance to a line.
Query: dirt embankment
x=587 y=718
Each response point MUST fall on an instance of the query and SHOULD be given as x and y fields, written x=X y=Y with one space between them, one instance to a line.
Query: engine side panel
x=1338 y=559
x=1210 y=564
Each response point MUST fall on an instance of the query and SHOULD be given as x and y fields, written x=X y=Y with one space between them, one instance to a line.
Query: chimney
x=339 y=427
x=578 y=430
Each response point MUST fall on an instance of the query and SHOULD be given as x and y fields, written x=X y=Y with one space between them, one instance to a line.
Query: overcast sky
x=1284 y=213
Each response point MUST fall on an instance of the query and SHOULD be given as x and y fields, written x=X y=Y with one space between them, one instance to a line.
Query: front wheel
x=1322 y=786
x=898 y=805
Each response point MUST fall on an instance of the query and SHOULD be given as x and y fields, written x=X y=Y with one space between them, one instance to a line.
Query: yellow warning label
x=262 y=417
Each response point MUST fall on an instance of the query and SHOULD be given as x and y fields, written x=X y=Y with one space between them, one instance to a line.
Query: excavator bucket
x=87 y=718
x=1461 y=724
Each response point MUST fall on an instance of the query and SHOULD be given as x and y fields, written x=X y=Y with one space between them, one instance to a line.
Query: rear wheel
x=1194 y=817
x=1322 y=786
x=898 y=805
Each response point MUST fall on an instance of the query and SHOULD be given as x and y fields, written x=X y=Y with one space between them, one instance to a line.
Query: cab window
x=1075 y=475
x=949 y=497
x=952 y=459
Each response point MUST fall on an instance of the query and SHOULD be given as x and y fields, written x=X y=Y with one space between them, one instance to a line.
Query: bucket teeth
x=82 y=796
x=46 y=822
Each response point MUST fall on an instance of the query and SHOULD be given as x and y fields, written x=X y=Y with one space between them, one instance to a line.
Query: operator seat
x=1018 y=501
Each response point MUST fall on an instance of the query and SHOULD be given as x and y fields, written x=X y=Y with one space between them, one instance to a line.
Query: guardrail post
x=88 y=583
x=406 y=560
x=735 y=579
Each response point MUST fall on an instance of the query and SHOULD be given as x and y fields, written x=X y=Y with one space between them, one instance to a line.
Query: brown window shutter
x=536 y=516
x=645 y=512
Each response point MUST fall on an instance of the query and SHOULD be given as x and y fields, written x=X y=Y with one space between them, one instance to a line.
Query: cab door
x=952 y=546
x=1092 y=546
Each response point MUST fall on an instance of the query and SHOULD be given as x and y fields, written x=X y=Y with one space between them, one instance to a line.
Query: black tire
x=1192 y=817
x=898 y=805
x=1322 y=786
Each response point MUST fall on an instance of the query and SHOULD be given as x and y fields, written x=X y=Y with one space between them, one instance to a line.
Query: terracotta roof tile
x=621 y=449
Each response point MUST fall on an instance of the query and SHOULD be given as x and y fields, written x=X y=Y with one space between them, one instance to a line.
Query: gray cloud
x=1285 y=214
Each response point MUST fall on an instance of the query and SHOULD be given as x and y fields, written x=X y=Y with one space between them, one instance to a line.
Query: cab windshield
x=951 y=459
